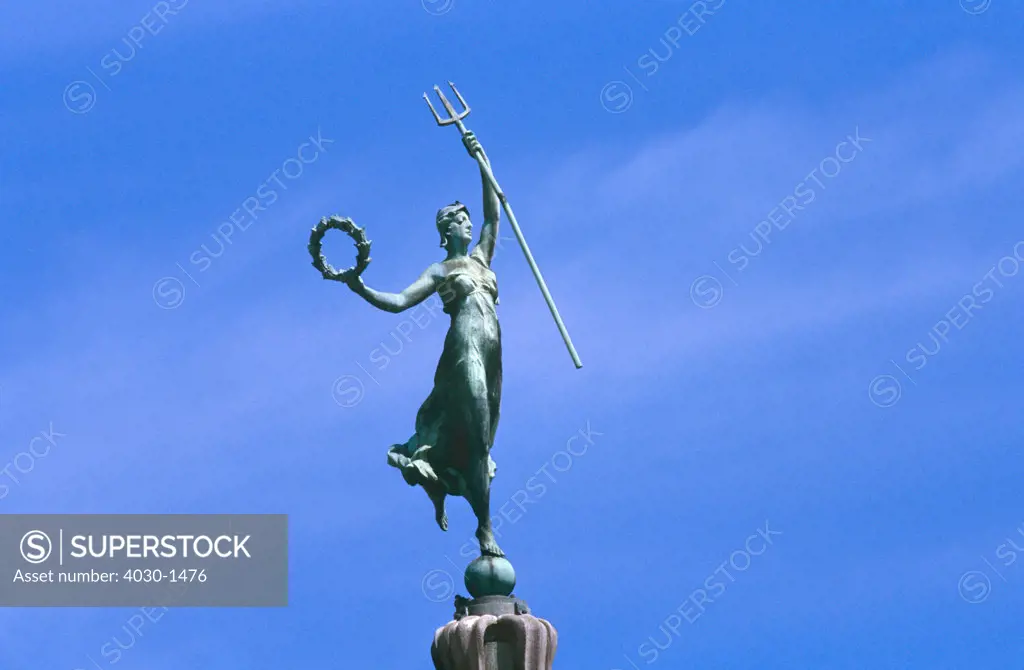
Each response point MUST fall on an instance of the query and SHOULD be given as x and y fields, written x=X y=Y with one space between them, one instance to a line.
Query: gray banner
x=129 y=560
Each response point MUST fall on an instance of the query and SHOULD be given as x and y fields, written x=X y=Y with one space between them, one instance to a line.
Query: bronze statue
x=449 y=453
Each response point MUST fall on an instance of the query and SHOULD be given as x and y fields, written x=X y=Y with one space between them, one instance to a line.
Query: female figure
x=449 y=454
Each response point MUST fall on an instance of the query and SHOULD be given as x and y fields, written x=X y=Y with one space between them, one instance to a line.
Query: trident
x=456 y=118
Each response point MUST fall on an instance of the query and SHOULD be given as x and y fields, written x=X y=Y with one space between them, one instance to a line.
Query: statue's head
x=454 y=226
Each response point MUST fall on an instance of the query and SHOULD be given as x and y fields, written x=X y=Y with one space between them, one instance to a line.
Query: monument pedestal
x=494 y=632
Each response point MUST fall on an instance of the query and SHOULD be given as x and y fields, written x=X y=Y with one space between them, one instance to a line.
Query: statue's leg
x=479 y=496
x=478 y=472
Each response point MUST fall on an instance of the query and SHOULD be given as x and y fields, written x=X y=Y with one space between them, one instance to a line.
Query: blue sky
x=838 y=390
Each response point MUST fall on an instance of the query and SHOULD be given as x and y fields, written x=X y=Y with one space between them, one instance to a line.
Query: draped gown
x=455 y=425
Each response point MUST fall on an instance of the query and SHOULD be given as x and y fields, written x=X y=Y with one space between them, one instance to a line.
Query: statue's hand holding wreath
x=355 y=282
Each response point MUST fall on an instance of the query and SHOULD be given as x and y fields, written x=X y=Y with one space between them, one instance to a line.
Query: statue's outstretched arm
x=417 y=292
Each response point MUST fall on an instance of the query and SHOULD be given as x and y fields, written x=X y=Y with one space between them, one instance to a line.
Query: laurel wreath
x=358 y=234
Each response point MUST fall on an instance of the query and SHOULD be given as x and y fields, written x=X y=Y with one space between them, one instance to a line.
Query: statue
x=449 y=452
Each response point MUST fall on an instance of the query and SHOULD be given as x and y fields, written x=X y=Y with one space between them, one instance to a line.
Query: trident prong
x=453 y=116
x=458 y=95
x=437 y=118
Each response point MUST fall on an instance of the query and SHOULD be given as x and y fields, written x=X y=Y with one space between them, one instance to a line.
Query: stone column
x=493 y=631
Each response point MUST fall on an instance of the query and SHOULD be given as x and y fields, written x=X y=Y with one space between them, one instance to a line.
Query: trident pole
x=456 y=119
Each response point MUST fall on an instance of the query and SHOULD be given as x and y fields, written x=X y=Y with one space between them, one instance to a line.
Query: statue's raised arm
x=492 y=205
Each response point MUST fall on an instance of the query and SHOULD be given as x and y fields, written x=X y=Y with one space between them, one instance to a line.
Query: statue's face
x=460 y=227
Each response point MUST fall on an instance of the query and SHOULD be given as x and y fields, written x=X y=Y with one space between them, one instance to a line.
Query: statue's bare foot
x=440 y=516
x=488 y=546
